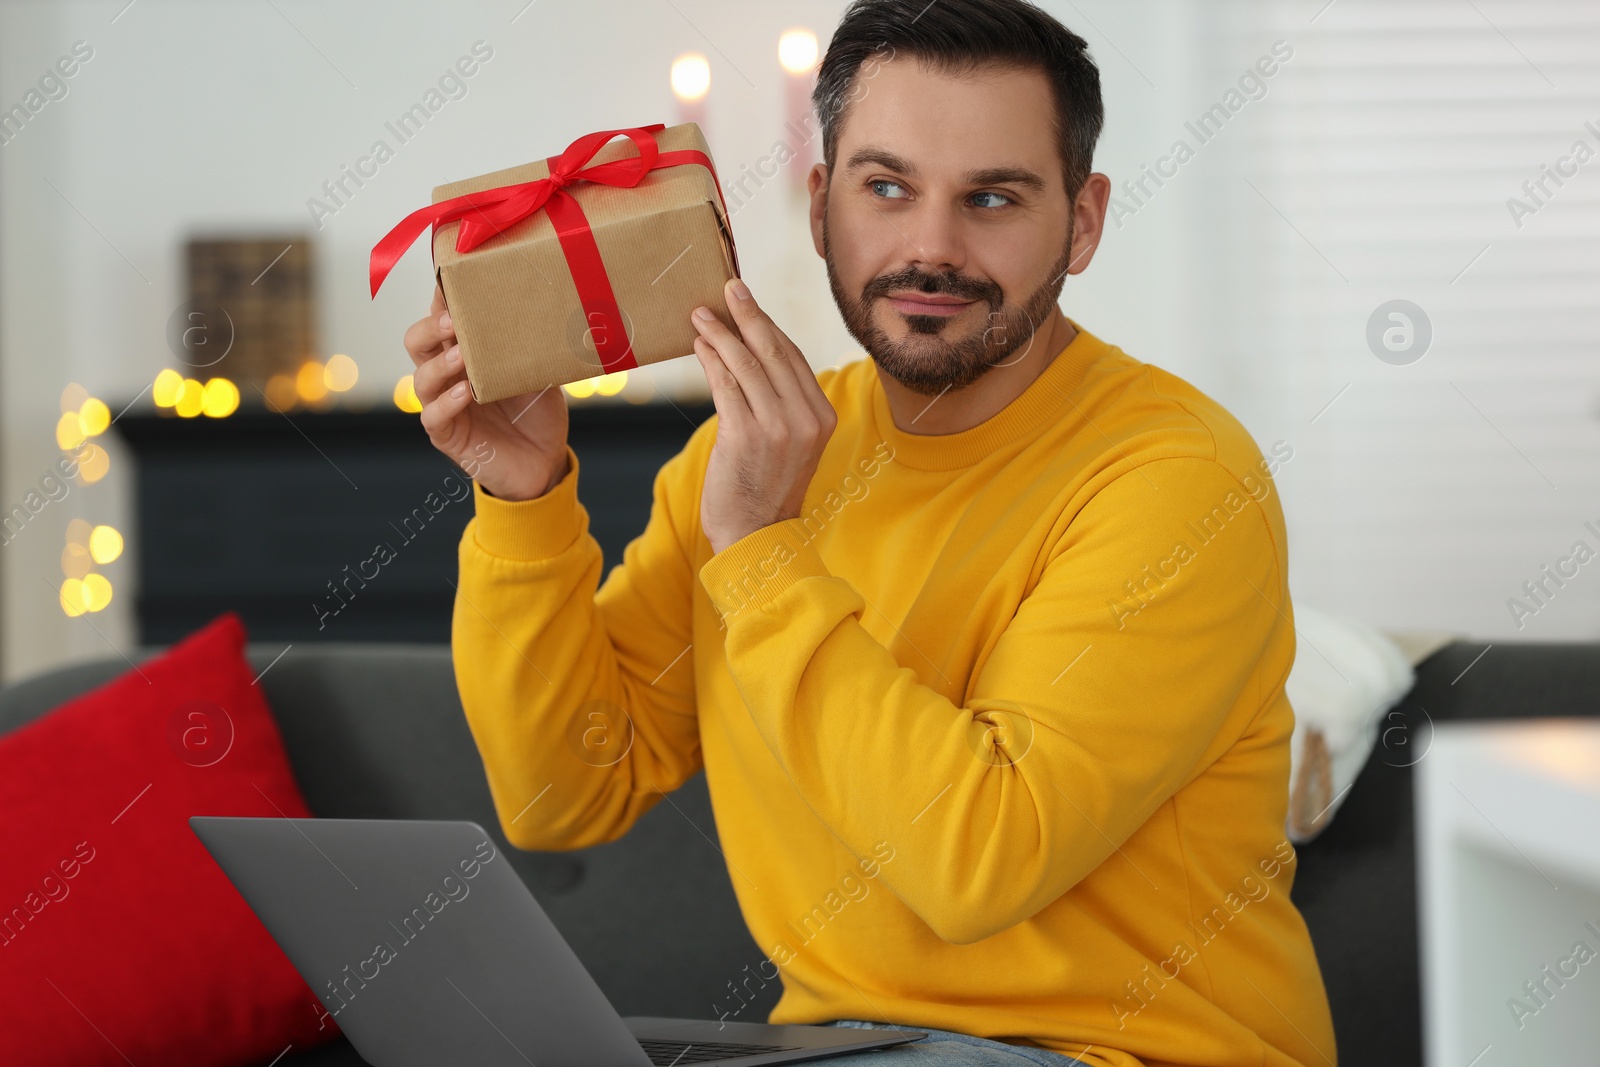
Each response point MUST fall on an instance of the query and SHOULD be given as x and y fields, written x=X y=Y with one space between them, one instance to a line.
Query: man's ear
x=1089 y=221
x=817 y=188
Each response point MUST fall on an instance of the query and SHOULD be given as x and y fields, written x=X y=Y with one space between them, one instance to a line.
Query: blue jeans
x=946 y=1048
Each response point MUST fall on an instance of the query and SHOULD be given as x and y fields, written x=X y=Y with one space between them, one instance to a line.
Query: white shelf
x=1508 y=887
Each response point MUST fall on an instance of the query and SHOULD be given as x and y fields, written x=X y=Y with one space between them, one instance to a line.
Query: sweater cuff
x=529 y=530
x=757 y=568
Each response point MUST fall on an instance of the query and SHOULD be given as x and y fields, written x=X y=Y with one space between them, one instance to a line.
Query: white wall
x=195 y=117
x=222 y=117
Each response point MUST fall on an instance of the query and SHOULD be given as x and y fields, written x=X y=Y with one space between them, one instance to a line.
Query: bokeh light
x=74 y=597
x=691 y=76
x=95 y=464
x=219 y=398
x=105 y=544
x=75 y=561
x=405 y=396
x=94 y=417
x=797 y=50
x=341 y=373
x=168 y=387
x=309 y=383
x=191 y=399
x=72 y=397
x=281 y=393
x=69 y=431
x=96 y=591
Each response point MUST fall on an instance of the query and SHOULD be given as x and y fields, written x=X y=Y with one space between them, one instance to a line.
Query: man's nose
x=936 y=233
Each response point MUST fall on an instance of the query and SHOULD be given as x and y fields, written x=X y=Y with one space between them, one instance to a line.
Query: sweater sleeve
x=1094 y=707
x=581 y=700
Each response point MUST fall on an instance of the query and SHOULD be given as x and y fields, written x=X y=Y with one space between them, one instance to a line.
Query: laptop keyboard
x=679 y=1053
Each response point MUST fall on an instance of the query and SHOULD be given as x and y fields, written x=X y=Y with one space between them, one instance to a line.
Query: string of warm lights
x=313 y=385
x=85 y=590
x=405 y=394
x=316 y=385
x=604 y=385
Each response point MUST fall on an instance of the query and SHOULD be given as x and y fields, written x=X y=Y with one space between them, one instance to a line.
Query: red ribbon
x=493 y=211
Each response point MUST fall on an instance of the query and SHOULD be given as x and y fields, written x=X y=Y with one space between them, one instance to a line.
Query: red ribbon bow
x=492 y=211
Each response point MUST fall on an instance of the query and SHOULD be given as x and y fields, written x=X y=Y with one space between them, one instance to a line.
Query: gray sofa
x=376 y=731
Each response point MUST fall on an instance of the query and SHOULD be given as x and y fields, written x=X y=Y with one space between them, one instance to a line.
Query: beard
x=927 y=361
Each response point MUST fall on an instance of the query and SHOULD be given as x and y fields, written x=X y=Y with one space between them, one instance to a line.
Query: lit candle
x=797 y=54
x=691 y=80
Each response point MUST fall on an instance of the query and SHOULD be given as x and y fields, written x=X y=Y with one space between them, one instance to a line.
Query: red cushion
x=121 y=940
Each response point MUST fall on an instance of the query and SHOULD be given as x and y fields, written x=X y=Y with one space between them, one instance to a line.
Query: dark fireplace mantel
x=276 y=516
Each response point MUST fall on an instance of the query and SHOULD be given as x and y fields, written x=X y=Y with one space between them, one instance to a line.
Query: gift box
x=585 y=263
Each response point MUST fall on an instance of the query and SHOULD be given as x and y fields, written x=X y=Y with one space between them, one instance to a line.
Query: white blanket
x=1345 y=676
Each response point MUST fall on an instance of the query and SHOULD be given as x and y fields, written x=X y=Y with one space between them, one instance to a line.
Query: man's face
x=945 y=222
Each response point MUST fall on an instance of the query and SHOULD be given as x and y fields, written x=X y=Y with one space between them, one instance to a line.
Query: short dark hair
x=959 y=36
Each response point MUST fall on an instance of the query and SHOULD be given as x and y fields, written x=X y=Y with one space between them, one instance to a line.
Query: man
x=998 y=620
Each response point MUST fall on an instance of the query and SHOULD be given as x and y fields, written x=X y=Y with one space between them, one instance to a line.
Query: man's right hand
x=526 y=435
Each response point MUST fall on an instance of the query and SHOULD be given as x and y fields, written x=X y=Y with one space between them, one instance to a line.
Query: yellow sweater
x=995 y=734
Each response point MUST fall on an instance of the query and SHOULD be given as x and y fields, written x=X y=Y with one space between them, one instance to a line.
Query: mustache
x=956 y=285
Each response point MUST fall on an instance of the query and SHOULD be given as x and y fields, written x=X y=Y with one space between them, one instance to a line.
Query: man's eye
x=997 y=196
x=879 y=186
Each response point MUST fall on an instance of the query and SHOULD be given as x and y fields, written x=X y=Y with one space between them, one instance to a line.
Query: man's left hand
x=772 y=420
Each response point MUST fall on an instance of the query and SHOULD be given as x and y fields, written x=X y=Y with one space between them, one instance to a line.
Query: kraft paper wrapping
x=667 y=249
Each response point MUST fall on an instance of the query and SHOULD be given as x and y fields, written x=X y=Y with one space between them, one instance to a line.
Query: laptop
x=426 y=947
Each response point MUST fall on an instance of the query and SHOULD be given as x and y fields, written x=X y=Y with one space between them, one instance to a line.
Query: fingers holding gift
x=726 y=395
x=434 y=376
x=443 y=420
x=429 y=336
x=752 y=376
x=764 y=337
x=791 y=430
x=811 y=392
x=761 y=336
